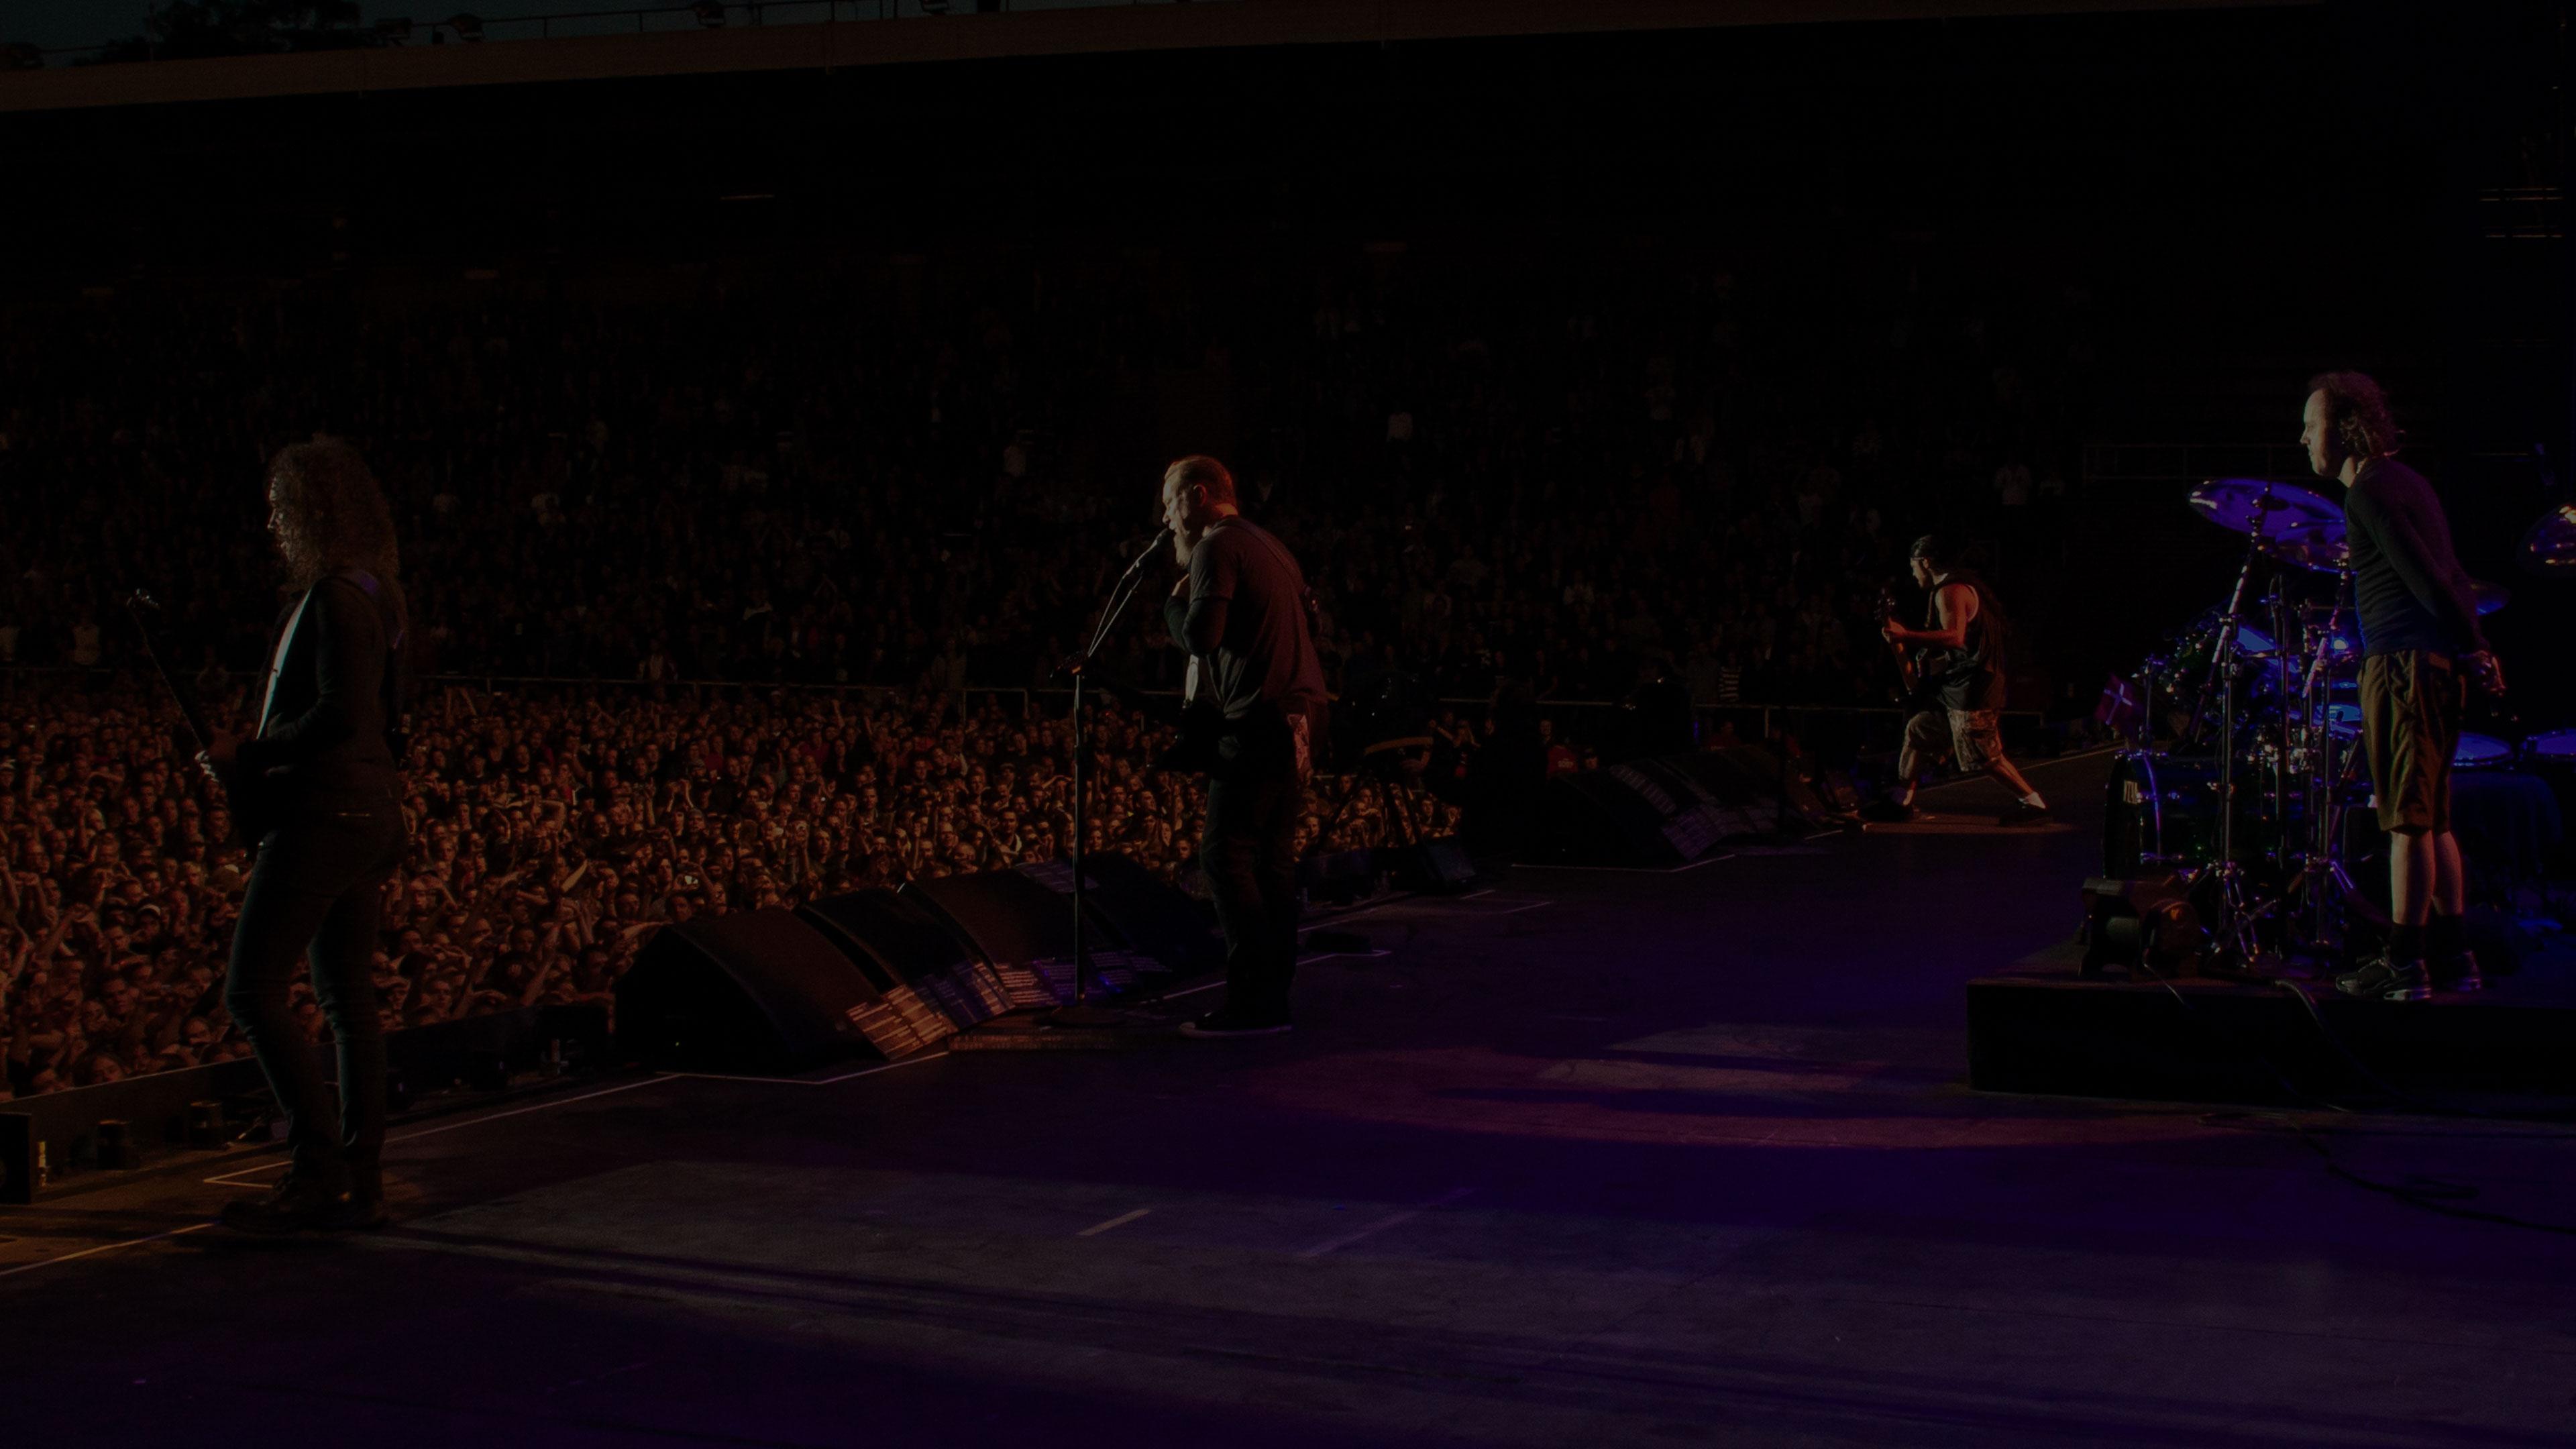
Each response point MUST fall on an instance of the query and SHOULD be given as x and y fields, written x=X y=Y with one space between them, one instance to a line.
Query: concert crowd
x=920 y=484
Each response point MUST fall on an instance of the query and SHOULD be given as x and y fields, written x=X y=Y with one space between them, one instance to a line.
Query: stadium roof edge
x=1062 y=32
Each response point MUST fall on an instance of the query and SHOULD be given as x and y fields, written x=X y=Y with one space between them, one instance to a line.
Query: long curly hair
x=331 y=515
x=2358 y=412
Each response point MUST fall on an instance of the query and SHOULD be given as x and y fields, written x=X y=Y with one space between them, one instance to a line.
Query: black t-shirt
x=1266 y=654
x=2406 y=582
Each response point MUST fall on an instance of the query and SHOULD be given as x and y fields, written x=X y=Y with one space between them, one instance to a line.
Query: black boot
x=303 y=1201
x=2458 y=972
x=366 y=1210
x=2388 y=978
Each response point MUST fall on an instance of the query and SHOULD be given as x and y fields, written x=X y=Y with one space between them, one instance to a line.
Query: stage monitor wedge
x=1143 y=914
x=930 y=982
x=748 y=991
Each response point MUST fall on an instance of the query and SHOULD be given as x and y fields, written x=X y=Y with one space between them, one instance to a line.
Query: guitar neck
x=179 y=693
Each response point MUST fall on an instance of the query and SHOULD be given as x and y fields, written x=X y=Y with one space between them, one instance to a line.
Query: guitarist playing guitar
x=318 y=776
x=1957 y=711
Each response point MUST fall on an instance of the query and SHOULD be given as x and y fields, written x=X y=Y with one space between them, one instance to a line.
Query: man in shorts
x=1970 y=635
x=2420 y=647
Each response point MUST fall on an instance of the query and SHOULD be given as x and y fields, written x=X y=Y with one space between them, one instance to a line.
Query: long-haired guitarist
x=318 y=775
x=1961 y=713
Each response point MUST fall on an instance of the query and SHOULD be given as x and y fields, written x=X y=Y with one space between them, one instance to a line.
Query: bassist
x=1964 y=718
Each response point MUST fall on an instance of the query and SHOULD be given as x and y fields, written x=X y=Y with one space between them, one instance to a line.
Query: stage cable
x=2430 y=1194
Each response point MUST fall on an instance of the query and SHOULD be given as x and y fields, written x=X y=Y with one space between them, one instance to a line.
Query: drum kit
x=2256 y=702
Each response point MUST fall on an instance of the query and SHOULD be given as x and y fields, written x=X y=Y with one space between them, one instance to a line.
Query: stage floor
x=1590 y=1158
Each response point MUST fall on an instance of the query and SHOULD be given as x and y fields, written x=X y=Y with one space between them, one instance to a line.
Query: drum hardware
x=2236 y=792
x=2549 y=545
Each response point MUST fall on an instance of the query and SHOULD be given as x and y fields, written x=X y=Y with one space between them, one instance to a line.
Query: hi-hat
x=2318 y=550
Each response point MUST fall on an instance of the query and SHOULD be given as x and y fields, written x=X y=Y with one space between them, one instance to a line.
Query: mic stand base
x=1092 y=1016
x=1081 y=1026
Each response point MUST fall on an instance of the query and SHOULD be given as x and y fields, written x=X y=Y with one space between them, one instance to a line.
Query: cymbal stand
x=2322 y=920
x=2232 y=931
x=2223 y=648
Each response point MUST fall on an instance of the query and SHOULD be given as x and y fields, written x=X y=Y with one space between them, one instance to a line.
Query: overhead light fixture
x=711 y=13
x=394 y=31
x=468 y=28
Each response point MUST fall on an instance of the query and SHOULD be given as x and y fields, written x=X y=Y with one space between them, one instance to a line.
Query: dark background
x=2244 y=196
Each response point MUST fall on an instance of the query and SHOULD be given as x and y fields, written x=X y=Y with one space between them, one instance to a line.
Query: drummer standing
x=2420 y=641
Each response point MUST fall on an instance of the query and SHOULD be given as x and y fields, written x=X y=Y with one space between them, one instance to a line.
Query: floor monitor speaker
x=748 y=991
x=929 y=980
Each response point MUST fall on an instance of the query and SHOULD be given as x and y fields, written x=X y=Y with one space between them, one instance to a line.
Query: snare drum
x=2558 y=747
x=2552 y=757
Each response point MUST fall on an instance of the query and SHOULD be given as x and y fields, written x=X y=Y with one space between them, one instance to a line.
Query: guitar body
x=1203 y=727
x=246 y=797
x=1918 y=684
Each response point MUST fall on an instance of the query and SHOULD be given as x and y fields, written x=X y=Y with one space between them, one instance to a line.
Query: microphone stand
x=1081 y=1013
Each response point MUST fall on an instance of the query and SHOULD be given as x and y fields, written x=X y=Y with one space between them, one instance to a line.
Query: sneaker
x=1232 y=1023
x=1888 y=812
x=300 y=1202
x=2459 y=973
x=2022 y=812
x=2386 y=980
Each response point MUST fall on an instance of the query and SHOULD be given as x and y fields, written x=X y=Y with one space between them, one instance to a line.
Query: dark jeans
x=316 y=891
x=1249 y=854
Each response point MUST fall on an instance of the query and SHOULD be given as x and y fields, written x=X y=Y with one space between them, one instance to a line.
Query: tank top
x=1977 y=670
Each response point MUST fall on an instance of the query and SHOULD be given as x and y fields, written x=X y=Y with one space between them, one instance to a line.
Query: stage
x=1590 y=1157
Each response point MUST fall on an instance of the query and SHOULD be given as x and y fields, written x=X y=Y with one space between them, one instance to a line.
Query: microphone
x=1161 y=537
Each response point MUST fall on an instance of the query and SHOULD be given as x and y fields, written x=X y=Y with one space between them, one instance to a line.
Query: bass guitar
x=244 y=793
x=1918 y=684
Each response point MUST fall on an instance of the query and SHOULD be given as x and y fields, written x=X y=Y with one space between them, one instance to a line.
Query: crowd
x=860 y=493
x=551 y=831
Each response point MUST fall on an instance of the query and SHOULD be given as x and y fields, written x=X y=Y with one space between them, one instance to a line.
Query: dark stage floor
x=1595 y=1158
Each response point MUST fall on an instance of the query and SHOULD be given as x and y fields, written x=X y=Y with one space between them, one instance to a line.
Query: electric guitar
x=1918 y=685
x=244 y=793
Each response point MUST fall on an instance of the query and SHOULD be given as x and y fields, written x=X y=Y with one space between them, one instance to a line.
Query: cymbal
x=2271 y=510
x=2490 y=597
x=2549 y=545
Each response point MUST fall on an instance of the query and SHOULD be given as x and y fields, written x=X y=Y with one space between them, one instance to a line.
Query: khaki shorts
x=1974 y=738
x=2410 y=726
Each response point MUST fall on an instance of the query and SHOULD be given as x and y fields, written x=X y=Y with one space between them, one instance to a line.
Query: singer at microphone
x=1240 y=610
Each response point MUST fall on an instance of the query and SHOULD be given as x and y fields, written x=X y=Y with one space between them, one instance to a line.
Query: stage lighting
x=394 y=31
x=468 y=28
x=710 y=13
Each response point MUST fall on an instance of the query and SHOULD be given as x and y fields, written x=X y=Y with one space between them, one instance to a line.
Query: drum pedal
x=2144 y=923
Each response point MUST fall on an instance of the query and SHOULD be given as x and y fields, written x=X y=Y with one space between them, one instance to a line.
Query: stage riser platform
x=2059 y=1035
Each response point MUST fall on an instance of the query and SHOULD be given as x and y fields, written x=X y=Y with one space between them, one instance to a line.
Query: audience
x=552 y=831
